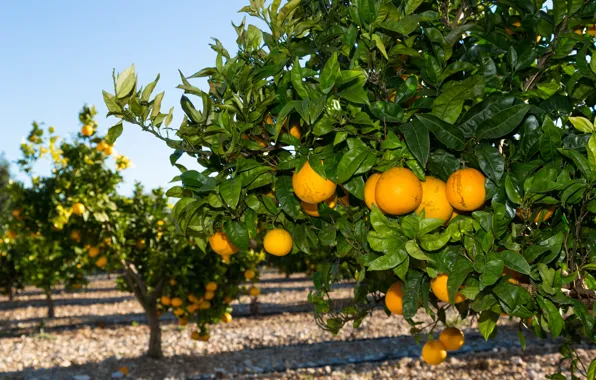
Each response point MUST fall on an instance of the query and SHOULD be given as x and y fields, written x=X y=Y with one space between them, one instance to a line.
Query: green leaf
x=351 y=161
x=417 y=139
x=385 y=242
x=434 y=242
x=443 y=164
x=591 y=374
x=428 y=225
x=511 y=191
x=355 y=186
x=592 y=151
x=415 y=251
x=380 y=45
x=411 y=293
x=582 y=124
x=491 y=161
x=515 y=261
x=238 y=234
x=449 y=104
x=550 y=140
x=447 y=134
x=487 y=323
x=411 y=6
x=296 y=75
x=553 y=316
x=493 y=270
x=113 y=134
x=404 y=26
x=111 y=103
x=329 y=74
x=126 y=82
x=379 y=221
x=387 y=111
x=391 y=259
x=230 y=191
x=284 y=192
x=503 y=122
x=483 y=111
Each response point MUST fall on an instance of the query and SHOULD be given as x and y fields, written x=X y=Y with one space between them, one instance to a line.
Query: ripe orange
x=517 y=24
x=434 y=201
x=254 y=291
x=226 y=318
x=178 y=312
x=398 y=191
x=249 y=274
x=295 y=130
x=166 y=301
x=101 y=262
x=204 y=305
x=16 y=213
x=310 y=187
x=465 y=189
x=172 y=282
x=87 y=130
x=592 y=30
x=123 y=370
x=542 y=216
x=269 y=120
x=78 y=208
x=193 y=299
x=369 y=190
x=209 y=295
x=313 y=209
x=278 y=242
x=176 y=302
x=220 y=243
x=228 y=300
x=12 y=235
x=439 y=288
x=108 y=149
x=434 y=352
x=211 y=286
x=394 y=298
x=182 y=321
x=452 y=338
x=93 y=251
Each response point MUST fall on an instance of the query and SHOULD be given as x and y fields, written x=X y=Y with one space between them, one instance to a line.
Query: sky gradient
x=59 y=56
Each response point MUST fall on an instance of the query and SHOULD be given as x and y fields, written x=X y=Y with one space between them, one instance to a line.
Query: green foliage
x=505 y=89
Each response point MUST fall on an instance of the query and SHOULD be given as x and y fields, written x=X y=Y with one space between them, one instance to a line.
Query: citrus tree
x=167 y=271
x=462 y=132
x=57 y=218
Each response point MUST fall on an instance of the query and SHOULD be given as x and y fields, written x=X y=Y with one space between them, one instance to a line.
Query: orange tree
x=57 y=218
x=167 y=271
x=462 y=132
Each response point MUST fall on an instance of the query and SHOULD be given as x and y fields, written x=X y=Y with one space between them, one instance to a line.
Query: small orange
x=93 y=251
x=310 y=187
x=220 y=243
x=434 y=201
x=278 y=242
x=452 y=338
x=254 y=291
x=249 y=274
x=78 y=208
x=166 y=301
x=369 y=190
x=182 y=321
x=313 y=209
x=11 y=235
x=228 y=300
x=439 y=288
x=465 y=189
x=295 y=130
x=102 y=262
x=434 y=352
x=204 y=305
x=178 y=311
x=87 y=130
x=209 y=295
x=193 y=299
x=211 y=286
x=398 y=191
x=76 y=236
x=176 y=302
x=394 y=298
x=226 y=318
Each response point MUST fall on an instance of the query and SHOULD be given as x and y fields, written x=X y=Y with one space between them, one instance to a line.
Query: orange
x=295 y=130
x=369 y=190
x=220 y=243
x=278 y=242
x=465 y=189
x=11 y=234
x=226 y=318
x=172 y=282
x=166 y=301
x=592 y=30
x=193 y=299
x=178 y=312
x=204 y=305
x=195 y=335
x=254 y=291
x=434 y=352
x=310 y=187
x=269 y=120
x=313 y=209
x=78 y=208
x=211 y=286
x=398 y=191
x=394 y=298
x=542 y=216
x=102 y=262
x=228 y=300
x=192 y=308
x=140 y=244
x=76 y=236
x=434 y=201
x=108 y=149
x=517 y=24
x=182 y=321
x=249 y=274
x=439 y=288
x=209 y=295
x=452 y=338
x=87 y=130
x=123 y=370
x=16 y=213
x=93 y=251
x=176 y=302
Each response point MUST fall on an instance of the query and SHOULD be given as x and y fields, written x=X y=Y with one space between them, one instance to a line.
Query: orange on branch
x=434 y=352
x=87 y=130
x=394 y=298
x=220 y=243
x=439 y=288
x=465 y=189
x=369 y=190
x=434 y=201
x=78 y=208
x=452 y=338
x=398 y=191
x=211 y=286
x=278 y=242
x=310 y=187
x=313 y=209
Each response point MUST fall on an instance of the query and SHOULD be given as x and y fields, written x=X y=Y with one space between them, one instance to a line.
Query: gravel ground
x=93 y=337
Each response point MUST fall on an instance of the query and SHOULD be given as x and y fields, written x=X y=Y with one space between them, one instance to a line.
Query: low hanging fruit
x=434 y=201
x=310 y=187
x=452 y=338
x=278 y=242
x=313 y=209
x=434 y=352
x=226 y=318
x=465 y=189
x=87 y=130
x=93 y=251
x=249 y=274
x=398 y=191
x=78 y=208
x=220 y=243
x=254 y=291
x=394 y=298
x=176 y=302
x=369 y=190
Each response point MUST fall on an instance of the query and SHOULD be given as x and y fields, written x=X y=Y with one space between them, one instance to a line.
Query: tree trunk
x=254 y=306
x=154 y=350
x=10 y=294
x=50 y=301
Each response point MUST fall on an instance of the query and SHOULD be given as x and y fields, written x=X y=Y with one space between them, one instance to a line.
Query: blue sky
x=58 y=56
